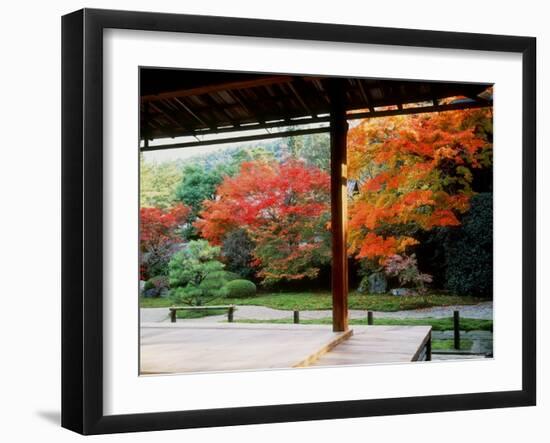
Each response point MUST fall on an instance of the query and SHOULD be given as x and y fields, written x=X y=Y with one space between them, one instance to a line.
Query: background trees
x=198 y=185
x=314 y=149
x=158 y=182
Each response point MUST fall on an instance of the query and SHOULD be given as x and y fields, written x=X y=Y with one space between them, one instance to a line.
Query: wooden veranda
x=205 y=108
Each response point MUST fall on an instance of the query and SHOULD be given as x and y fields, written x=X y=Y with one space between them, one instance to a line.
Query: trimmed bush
x=240 y=289
x=226 y=276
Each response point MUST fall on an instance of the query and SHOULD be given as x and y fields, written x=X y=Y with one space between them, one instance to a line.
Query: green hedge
x=240 y=288
x=470 y=251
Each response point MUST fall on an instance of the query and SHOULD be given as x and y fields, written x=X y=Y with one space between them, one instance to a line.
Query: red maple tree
x=285 y=209
x=158 y=232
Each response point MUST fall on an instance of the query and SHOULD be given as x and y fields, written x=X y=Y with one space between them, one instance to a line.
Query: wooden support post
x=338 y=193
x=230 y=312
x=370 y=319
x=146 y=130
x=429 y=348
x=173 y=315
x=296 y=317
x=456 y=324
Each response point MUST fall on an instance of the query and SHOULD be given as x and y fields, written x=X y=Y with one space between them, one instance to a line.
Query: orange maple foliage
x=415 y=173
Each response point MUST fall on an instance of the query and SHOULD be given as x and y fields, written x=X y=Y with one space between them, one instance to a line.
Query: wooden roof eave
x=471 y=104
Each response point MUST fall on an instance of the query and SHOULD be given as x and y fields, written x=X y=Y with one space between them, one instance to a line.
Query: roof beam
x=243 y=138
x=420 y=110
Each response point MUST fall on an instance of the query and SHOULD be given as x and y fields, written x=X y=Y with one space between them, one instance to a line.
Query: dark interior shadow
x=54 y=417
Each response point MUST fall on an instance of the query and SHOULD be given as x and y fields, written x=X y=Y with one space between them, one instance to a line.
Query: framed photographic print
x=269 y=221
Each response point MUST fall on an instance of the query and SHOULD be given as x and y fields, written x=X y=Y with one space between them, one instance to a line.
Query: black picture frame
x=82 y=218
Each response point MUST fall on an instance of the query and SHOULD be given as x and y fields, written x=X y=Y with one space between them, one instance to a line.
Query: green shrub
x=188 y=296
x=210 y=285
x=201 y=294
x=226 y=276
x=240 y=289
x=470 y=251
x=192 y=273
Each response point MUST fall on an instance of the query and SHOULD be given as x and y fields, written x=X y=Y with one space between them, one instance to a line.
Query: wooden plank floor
x=184 y=348
x=378 y=344
x=179 y=348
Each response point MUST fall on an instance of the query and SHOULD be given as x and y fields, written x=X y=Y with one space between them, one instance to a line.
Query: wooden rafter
x=190 y=112
x=252 y=106
x=301 y=100
x=207 y=89
x=366 y=97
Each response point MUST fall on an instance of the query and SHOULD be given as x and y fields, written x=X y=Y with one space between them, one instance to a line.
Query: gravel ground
x=480 y=311
x=153 y=315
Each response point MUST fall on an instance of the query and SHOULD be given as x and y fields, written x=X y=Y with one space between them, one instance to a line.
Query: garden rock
x=402 y=292
x=363 y=287
x=377 y=283
x=150 y=293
